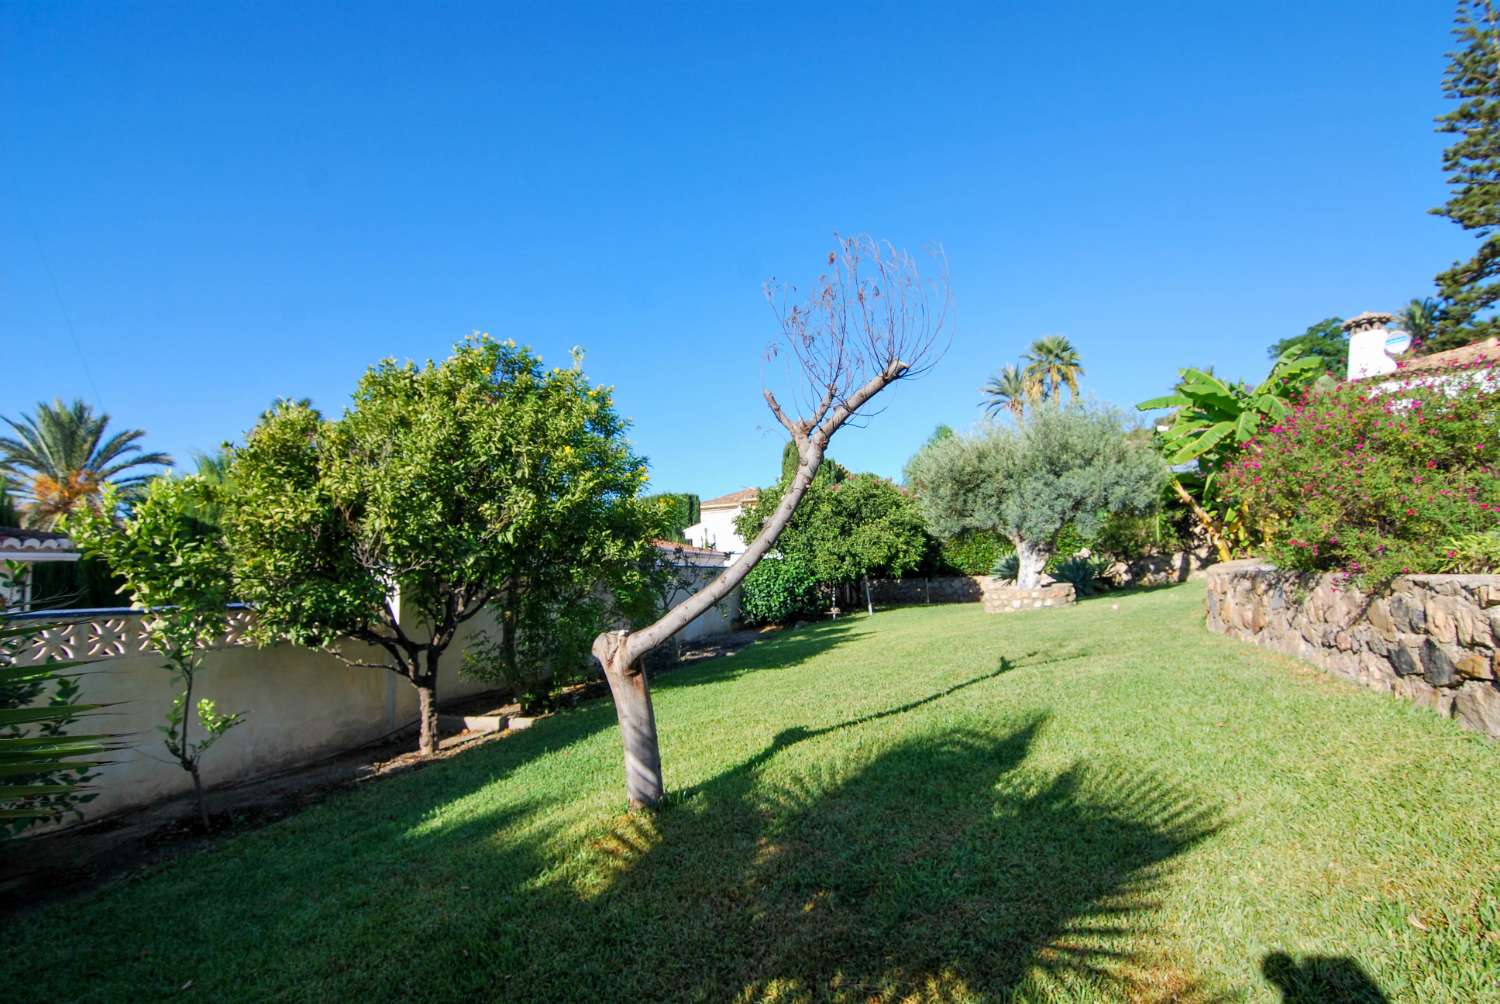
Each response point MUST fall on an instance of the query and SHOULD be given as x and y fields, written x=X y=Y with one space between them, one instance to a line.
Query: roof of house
x=741 y=497
x=15 y=542
x=1463 y=357
x=692 y=554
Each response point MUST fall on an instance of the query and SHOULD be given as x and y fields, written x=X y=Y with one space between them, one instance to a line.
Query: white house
x=715 y=526
x=19 y=550
x=1371 y=347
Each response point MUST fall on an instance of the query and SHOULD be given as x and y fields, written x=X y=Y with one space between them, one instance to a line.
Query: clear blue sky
x=240 y=202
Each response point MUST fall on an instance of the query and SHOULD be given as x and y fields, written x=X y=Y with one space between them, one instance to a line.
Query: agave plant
x=1007 y=568
x=1213 y=419
x=1085 y=573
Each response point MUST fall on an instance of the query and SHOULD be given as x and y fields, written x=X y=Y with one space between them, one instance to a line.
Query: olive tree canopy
x=1062 y=465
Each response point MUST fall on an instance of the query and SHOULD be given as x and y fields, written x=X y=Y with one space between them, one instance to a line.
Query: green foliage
x=485 y=479
x=847 y=527
x=1375 y=485
x=175 y=567
x=1007 y=567
x=1324 y=341
x=972 y=552
x=1472 y=553
x=1470 y=290
x=779 y=590
x=9 y=516
x=1062 y=465
x=44 y=771
x=1127 y=536
x=681 y=510
x=1211 y=423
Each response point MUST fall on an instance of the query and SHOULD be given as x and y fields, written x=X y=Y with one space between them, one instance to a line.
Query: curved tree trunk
x=631 y=690
x=620 y=652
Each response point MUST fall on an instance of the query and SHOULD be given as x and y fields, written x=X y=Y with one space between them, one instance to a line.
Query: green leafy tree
x=62 y=457
x=1325 y=341
x=1212 y=421
x=849 y=528
x=681 y=510
x=1062 y=466
x=176 y=569
x=1471 y=289
x=485 y=479
x=1052 y=363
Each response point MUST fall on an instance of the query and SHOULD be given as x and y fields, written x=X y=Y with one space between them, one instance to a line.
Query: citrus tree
x=482 y=480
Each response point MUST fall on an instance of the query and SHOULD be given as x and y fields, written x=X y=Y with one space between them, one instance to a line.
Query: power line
x=63 y=308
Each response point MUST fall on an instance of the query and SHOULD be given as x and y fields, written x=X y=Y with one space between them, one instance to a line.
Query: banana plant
x=1212 y=421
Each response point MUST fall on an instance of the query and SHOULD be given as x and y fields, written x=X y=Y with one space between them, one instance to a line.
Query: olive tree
x=428 y=499
x=1061 y=465
x=871 y=319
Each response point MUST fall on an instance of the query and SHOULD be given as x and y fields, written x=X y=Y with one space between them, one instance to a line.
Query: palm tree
x=61 y=458
x=1054 y=363
x=1010 y=390
x=1419 y=319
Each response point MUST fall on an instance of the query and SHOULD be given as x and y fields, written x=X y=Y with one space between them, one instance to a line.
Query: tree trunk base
x=631 y=691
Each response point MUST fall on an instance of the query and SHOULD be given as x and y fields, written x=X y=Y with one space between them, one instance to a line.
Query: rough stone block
x=1407 y=614
x=1440 y=620
x=1477 y=666
x=1477 y=706
x=1406 y=660
x=1439 y=664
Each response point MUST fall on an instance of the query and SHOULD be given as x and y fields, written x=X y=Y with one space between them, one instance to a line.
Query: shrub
x=1376 y=484
x=777 y=590
x=973 y=552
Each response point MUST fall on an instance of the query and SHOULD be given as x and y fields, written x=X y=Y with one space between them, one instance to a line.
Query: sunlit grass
x=1093 y=804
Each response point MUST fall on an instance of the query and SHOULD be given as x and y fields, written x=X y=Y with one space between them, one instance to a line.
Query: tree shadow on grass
x=1321 y=979
x=939 y=866
x=942 y=869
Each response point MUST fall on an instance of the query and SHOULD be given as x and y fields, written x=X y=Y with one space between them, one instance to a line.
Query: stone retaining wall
x=1432 y=639
x=1004 y=598
x=945 y=589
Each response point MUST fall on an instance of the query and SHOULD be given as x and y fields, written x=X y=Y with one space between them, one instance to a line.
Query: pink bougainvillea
x=1375 y=482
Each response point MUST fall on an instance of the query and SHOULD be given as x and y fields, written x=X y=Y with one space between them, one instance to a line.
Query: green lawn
x=1094 y=804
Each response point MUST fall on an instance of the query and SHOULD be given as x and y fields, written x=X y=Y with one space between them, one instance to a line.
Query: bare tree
x=872 y=320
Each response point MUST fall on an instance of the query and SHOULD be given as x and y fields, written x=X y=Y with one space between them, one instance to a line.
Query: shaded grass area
x=1094 y=804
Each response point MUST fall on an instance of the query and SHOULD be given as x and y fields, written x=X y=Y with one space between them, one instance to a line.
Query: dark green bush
x=971 y=553
x=778 y=590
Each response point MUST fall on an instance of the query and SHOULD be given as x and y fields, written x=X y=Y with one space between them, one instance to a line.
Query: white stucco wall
x=716 y=530
x=300 y=705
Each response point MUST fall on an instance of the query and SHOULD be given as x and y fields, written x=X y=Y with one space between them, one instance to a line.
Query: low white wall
x=300 y=705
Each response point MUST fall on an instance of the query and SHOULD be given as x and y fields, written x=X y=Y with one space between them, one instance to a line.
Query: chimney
x=1367 y=334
